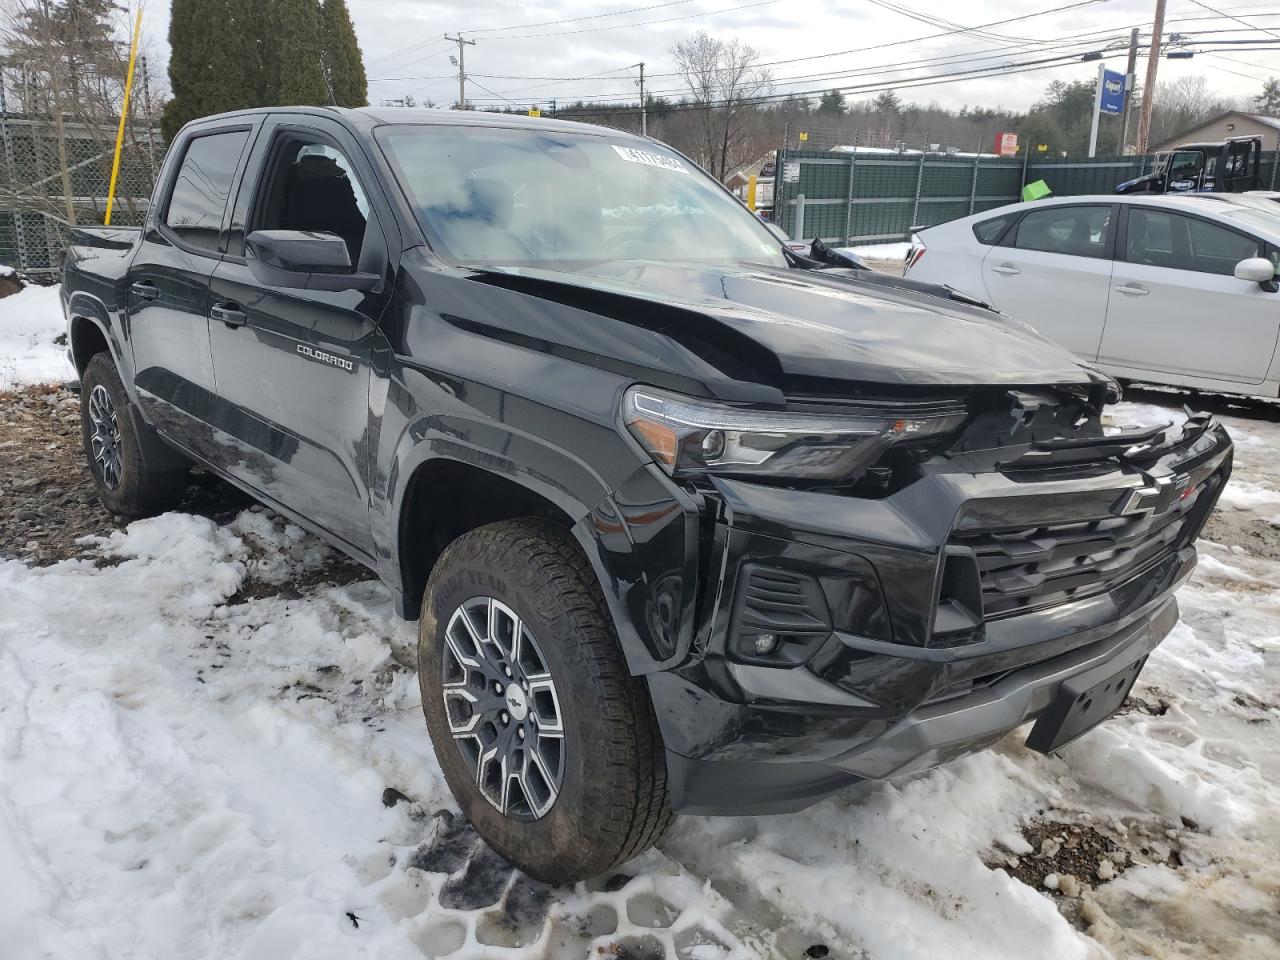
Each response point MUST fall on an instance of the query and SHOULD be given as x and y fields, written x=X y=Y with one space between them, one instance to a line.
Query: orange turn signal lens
x=658 y=439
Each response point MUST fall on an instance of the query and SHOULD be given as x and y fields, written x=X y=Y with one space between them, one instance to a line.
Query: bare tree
x=69 y=59
x=1181 y=104
x=722 y=77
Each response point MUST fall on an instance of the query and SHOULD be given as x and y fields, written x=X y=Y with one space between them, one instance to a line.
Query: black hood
x=773 y=326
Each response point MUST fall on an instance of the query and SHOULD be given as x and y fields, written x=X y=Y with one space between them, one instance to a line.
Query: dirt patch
x=1261 y=538
x=1068 y=860
x=47 y=498
x=1061 y=850
x=48 y=501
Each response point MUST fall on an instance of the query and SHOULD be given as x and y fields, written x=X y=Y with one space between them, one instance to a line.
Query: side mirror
x=306 y=259
x=1258 y=270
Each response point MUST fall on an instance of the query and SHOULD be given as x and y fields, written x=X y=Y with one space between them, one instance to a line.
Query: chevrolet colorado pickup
x=690 y=522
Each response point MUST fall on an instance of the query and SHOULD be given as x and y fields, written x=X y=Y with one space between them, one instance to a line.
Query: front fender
x=637 y=529
x=643 y=543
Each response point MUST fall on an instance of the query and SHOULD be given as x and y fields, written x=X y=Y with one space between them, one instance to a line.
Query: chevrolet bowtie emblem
x=1156 y=497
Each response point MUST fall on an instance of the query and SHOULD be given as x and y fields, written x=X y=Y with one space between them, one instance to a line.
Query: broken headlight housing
x=688 y=437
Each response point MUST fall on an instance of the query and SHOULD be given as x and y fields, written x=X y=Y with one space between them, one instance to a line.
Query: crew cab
x=690 y=522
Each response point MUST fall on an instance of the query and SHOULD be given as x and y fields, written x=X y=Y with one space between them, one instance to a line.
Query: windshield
x=507 y=197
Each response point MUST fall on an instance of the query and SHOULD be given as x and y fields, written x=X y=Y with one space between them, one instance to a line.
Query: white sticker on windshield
x=650 y=159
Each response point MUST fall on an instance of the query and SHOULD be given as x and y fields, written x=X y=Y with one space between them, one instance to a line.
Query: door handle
x=228 y=313
x=1007 y=269
x=145 y=290
x=1132 y=290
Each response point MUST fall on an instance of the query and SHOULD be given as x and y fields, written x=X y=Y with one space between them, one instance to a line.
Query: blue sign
x=1112 y=92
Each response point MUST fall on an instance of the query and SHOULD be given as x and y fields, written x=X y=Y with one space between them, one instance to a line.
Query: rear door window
x=200 y=190
x=1072 y=231
x=1161 y=239
x=990 y=231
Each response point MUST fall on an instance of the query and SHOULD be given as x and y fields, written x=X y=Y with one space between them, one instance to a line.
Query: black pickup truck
x=691 y=522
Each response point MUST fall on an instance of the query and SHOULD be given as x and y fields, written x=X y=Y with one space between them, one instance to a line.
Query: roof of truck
x=366 y=118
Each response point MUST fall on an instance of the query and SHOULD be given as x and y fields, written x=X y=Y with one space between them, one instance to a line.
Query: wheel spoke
x=544 y=705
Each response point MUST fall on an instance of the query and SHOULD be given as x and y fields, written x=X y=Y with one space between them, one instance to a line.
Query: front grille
x=1025 y=568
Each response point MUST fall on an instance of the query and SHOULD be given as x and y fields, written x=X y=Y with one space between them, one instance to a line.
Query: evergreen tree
x=1268 y=102
x=294 y=61
x=887 y=103
x=343 y=61
x=214 y=60
x=832 y=102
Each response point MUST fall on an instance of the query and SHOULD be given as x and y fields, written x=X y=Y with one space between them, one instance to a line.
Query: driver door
x=293 y=365
x=1186 y=172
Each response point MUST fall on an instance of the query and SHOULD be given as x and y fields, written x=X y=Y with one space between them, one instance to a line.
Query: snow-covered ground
x=192 y=769
x=29 y=321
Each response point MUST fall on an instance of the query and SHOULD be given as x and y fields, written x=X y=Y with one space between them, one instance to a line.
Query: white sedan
x=1163 y=289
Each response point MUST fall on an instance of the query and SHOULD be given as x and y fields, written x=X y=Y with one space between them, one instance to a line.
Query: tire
x=124 y=484
x=611 y=802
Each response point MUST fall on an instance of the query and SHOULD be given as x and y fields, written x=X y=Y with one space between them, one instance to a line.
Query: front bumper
x=889 y=679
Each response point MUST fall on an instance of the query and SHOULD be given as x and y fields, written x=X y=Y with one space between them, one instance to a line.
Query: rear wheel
x=124 y=484
x=549 y=744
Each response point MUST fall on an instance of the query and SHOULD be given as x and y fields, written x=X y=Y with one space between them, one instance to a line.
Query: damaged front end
x=930 y=599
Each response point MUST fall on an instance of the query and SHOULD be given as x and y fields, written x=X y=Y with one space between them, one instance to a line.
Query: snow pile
x=29 y=321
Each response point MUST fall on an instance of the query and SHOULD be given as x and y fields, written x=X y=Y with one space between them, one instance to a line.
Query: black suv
x=690 y=522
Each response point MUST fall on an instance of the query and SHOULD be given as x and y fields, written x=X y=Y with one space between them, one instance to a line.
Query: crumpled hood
x=832 y=325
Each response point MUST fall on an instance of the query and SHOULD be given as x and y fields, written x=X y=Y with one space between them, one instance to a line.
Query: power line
x=423 y=45
x=594 y=16
x=638 y=23
x=558 y=33
x=1079 y=44
x=1227 y=16
x=938 y=79
x=1237 y=73
x=950 y=59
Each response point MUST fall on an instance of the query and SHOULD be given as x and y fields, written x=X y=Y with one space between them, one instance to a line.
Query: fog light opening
x=764 y=644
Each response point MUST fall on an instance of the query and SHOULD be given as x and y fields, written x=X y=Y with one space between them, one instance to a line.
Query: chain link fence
x=879 y=196
x=38 y=201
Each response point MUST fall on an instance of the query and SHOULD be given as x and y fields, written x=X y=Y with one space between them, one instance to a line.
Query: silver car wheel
x=104 y=438
x=503 y=709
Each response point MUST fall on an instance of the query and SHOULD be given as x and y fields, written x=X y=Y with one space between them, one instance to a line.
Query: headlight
x=688 y=436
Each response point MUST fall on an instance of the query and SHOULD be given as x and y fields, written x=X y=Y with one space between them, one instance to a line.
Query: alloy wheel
x=503 y=709
x=104 y=440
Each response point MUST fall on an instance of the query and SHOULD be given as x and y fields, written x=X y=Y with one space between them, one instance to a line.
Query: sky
x=519 y=48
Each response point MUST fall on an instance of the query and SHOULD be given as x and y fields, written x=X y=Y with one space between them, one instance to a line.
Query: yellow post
x=751 y=194
x=124 y=113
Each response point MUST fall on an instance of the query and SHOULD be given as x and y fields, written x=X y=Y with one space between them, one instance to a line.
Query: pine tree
x=343 y=61
x=887 y=103
x=214 y=60
x=294 y=53
x=1268 y=102
x=832 y=102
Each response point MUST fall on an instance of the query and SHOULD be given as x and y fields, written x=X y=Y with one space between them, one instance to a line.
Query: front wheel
x=548 y=743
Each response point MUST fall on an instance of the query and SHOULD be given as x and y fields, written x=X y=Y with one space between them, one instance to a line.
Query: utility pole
x=644 y=111
x=462 y=68
x=1149 y=91
x=1130 y=81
